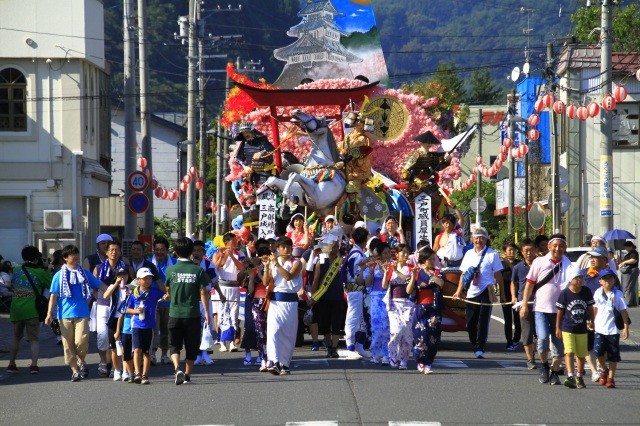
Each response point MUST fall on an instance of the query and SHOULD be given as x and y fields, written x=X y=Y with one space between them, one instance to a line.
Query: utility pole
x=191 y=118
x=606 y=147
x=219 y=178
x=204 y=140
x=130 y=221
x=145 y=121
x=555 y=150
x=478 y=172
x=512 y=164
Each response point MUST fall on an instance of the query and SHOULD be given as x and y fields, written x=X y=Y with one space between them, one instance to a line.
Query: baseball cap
x=606 y=272
x=599 y=252
x=103 y=237
x=359 y=224
x=574 y=273
x=144 y=272
x=122 y=271
x=330 y=217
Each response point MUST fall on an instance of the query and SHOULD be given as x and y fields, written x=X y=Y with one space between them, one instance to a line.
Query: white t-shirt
x=547 y=295
x=490 y=265
x=283 y=285
x=605 y=321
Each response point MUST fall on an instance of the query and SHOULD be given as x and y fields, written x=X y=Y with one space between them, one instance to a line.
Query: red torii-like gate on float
x=301 y=97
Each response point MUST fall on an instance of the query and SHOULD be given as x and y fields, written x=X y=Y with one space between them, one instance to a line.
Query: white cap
x=330 y=217
x=144 y=272
x=358 y=224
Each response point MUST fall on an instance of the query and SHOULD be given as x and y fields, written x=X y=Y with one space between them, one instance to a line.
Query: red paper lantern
x=198 y=185
x=547 y=100
x=609 y=103
x=142 y=162
x=582 y=113
x=165 y=194
x=620 y=93
x=515 y=153
x=498 y=163
x=172 y=196
x=186 y=179
x=503 y=149
x=183 y=186
x=593 y=109
x=485 y=172
x=193 y=170
x=539 y=105
x=534 y=120
x=503 y=156
x=523 y=150
x=507 y=142
x=158 y=192
x=154 y=184
x=572 y=111
x=559 y=107
x=478 y=160
x=533 y=134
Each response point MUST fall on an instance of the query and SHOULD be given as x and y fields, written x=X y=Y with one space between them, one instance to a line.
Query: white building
x=579 y=72
x=54 y=124
x=165 y=137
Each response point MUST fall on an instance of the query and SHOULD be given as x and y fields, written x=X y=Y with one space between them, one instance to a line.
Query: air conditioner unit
x=55 y=220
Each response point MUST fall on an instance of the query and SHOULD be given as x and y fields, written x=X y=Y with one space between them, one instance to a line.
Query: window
x=13 y=101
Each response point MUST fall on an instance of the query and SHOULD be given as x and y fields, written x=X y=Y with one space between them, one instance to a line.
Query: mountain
x=416 y=35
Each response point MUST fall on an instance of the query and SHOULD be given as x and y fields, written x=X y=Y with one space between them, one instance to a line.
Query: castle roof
x=307 y=45
x=319 y=6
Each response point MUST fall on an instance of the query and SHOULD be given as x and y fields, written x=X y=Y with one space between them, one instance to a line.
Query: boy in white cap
x=142 y=305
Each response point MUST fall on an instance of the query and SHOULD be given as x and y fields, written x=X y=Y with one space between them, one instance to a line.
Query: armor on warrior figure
x=420 y=169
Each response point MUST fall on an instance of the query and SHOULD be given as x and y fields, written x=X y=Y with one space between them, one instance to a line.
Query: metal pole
x=606 y=146
x=479 y=174
x=191 y=122
x=130 y=219
x=512 y=166
x=180 y=196
x=204 y=141
x=555 y=188
x=145 y=122
x=225 y=172
x=219 y=178
x=526 y=192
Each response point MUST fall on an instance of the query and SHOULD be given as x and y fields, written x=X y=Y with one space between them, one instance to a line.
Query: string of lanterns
x=171 y=194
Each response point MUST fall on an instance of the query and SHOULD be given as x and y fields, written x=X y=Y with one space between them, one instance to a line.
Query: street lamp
x=179 y=147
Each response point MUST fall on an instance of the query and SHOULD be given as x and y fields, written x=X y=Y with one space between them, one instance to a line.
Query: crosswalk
x=443 y=363
x=390 y=423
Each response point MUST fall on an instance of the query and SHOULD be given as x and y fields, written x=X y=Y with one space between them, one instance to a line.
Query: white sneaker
x=595 y=376
x=165 y=360
x=363 y=353
x=421 y=368
x=198 y=361
x=233 y=347
x=125 y=376
x=224 y=347
x=353 y=355
x=117 y=376
x=427 y=369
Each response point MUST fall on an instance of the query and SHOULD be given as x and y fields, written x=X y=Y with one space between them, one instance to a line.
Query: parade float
x=309 y=126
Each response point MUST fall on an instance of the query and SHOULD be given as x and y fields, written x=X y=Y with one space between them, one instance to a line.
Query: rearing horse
x=320 y=185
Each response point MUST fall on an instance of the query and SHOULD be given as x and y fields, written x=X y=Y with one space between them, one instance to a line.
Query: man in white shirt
x=482 y=290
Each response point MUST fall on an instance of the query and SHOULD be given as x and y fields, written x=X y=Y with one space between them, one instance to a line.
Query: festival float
x=315 y=165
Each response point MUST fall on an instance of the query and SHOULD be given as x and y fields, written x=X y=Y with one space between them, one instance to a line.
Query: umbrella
x=618 y=234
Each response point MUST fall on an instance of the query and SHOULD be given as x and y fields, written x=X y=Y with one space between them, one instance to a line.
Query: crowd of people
x=384 y=298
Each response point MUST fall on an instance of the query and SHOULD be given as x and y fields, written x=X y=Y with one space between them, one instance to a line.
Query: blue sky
x=357 y=17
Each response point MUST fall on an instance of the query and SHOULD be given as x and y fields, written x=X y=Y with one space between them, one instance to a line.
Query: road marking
x=393 y=423
x=450 y=364
x=312 y=361
x=315 y=423
x=512 y=364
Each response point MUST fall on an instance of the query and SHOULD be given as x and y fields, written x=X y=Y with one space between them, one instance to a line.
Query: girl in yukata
x=396 y=281
x=255 y=334
x=299 y=234
x=392 y=234
x=371 y=276
x=427 y=285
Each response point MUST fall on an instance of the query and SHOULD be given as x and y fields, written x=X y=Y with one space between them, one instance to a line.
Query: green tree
x=625 y=25
x=483 y=90
x=447 y=75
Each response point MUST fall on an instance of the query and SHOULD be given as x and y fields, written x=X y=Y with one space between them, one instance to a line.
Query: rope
x=471 y=302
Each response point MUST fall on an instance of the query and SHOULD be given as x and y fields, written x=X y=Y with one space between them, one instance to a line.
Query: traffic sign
x=138 y=203
x=565 y=201
x=137 y=181
x=478 y=205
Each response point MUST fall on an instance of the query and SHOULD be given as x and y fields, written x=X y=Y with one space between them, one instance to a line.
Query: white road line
x=449 y=364
x=500 y=320
x=394 y=423
x=315 y=423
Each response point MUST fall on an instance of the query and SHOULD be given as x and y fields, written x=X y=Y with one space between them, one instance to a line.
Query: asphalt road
x=462 y=390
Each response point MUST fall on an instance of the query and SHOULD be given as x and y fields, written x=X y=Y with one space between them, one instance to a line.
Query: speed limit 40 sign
x=138 y=181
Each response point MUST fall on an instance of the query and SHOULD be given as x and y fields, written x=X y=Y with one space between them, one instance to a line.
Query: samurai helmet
x=245 y=125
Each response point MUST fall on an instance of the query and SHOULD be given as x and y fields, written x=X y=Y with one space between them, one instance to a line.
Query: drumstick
x=400 y=219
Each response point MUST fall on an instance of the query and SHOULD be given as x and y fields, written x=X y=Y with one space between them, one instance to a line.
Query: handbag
x=42 y=303
x=206 y=342
x=469 y=274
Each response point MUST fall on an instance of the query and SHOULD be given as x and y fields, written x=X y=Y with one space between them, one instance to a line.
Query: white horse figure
x=320 y=185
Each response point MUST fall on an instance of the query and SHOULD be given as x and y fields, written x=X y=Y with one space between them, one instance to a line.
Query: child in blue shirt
x=142 y=305
x=123 y=334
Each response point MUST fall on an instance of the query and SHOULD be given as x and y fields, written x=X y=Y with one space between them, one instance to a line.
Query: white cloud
x=354 y=14
x=360 y=10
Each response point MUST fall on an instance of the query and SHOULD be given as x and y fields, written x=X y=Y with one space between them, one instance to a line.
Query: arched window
x=13 y=101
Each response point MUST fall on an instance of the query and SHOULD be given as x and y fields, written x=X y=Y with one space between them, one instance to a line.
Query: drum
x=451 y=280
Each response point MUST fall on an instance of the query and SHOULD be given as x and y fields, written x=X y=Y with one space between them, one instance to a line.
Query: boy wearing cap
x=142 y=305
x=607 y=335
x=575 y=315
x=91 y=261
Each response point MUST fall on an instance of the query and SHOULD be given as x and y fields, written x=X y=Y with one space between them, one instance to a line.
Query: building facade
x=54 y=124
x=579 y=73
